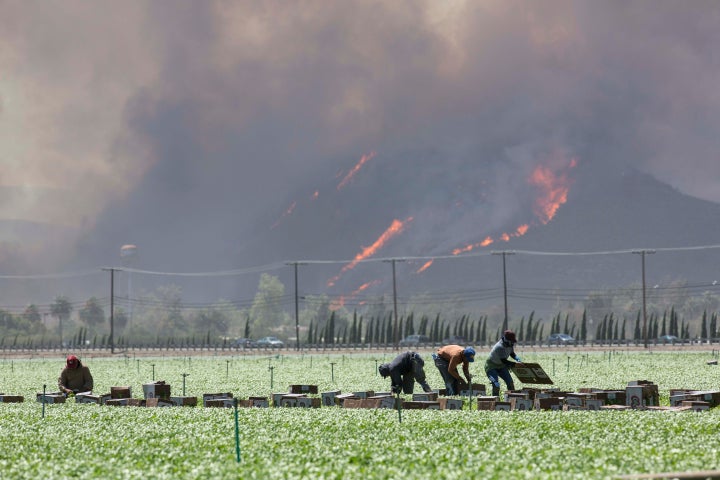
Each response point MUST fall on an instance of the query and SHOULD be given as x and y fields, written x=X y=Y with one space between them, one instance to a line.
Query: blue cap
x=469 y=354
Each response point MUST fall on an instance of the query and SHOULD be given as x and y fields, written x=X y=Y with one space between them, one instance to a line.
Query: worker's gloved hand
x=517 y=359
x=426 y=388
x=396 y=388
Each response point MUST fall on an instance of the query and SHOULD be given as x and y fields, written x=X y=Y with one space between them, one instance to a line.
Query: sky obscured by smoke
x=183 y=126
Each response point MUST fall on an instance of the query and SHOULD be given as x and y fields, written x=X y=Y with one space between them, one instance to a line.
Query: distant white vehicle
x=270 y=342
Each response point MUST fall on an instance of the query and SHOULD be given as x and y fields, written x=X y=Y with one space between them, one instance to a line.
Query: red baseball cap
x=72 y=361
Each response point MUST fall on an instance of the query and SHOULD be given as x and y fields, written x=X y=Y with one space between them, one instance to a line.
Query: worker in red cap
x=75 y=377
x=498 y=366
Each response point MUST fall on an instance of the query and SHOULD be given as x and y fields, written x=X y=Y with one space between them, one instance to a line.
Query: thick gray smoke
x=209 y=119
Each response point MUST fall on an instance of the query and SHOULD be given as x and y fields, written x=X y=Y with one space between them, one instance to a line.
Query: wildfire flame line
x=355 y=169
x=395 y=228
x=554 y=190
x=285 y=214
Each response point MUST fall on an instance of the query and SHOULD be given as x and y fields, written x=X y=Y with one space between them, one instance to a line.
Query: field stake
x=553 y=367
x=184 y=375
x=568 y=364
x=153 y=371
x=376 y=368
x=43 y=401
x=332 y=372
x=237 y=431
x=271 y=368
x=227 y=369
x=138 y=365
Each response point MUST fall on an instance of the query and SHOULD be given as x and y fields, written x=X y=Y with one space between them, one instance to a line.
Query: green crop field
x=92 y=441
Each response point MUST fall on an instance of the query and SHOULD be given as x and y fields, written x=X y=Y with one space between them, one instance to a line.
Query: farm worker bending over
x=403 y=371
x=448 y=359
x=75 y=377
x=498 y=366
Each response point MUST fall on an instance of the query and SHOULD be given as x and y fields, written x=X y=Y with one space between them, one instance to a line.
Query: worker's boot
x=496 y=391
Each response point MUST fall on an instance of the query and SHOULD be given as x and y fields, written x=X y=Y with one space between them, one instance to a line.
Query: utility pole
x=395 y=309
x=505 y=301
x=642 y=254
x=112 y=306
x=297 y=306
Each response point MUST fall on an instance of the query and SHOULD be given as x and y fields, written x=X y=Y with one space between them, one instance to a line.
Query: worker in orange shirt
x=448 y=359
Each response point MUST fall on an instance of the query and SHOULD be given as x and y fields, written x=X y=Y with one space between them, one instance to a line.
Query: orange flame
x=394 y=229
x=554 y=190
x=425 y=266
x=355 y=169
x=488 y=240
x=365 y=286
x=285 y=214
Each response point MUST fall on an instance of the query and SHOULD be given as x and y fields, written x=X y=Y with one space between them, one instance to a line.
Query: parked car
x=272 y=342
x=668 y=339
x=243 y=343
x=414 y=340
x=456 y=340
x=560 y=339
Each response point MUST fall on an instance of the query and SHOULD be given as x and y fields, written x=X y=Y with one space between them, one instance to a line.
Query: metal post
x=505 y=300
x=112 y=307
x=644 y=300
x=297 y=306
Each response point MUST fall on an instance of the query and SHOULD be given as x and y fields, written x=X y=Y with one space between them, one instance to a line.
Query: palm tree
x=61 y=308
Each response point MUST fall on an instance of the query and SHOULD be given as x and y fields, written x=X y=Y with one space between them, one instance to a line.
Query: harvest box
x=51 y=398
x=156 y=390
x=303 y=389
x=207 y=397
x=184 y=401
x=12 y=398
x=159 y=402
x=120 y=392
x=328 y=398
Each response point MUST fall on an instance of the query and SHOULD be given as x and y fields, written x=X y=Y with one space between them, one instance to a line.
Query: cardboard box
x=120 y=392
x=476 y=391
x=12 y=398
x=208 y=397
x=594 y=403
x=551 y=403
x=450 y=403
x=51 y=398
x=502 y=406
x=86 y=398
x=425 y=397
x=290 y=399
x=219 y=403
x=421 y=405
x=159 y=402
x=696 y=406
x=354 y=402
x=184 y=401
x=156 y=390
x=304 y=389
x=487 y=402
x=126 y=402
x=328 y=398
x=309 y=402
x=366 y=394
x=520 y=403
x=259 y=402
x=340 y=398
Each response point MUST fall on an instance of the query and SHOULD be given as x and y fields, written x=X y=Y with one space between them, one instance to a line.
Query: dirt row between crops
x=713 y=349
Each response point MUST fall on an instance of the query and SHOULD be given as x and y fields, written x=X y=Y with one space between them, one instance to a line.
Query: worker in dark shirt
x=404 y=371
x=75 y=377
